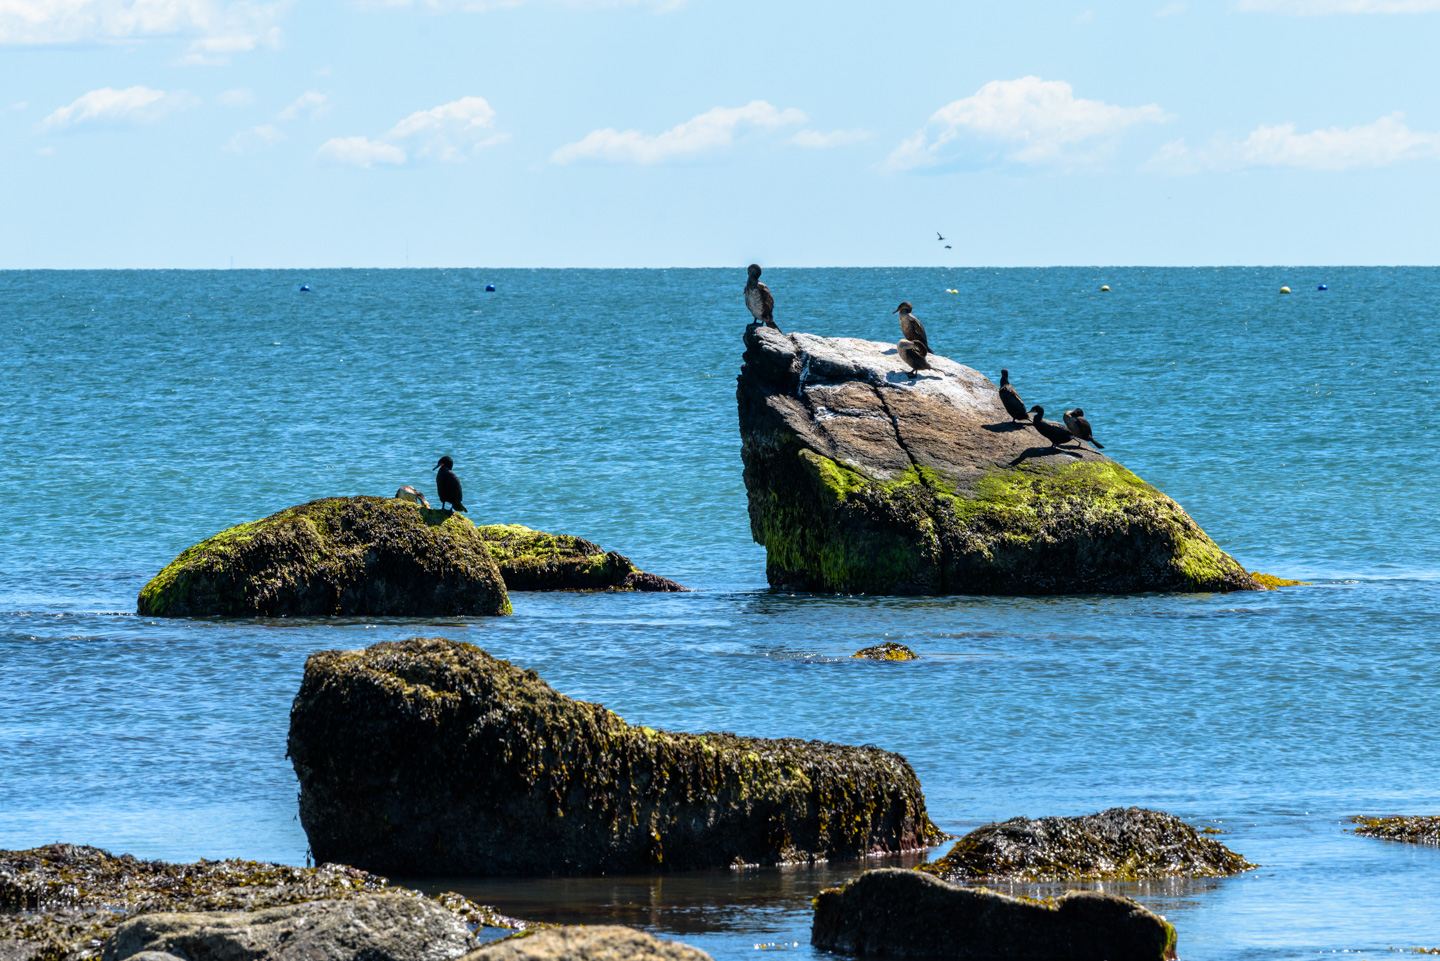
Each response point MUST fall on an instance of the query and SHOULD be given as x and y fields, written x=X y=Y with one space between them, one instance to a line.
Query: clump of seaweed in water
x=1414 y=828
x=889 y=651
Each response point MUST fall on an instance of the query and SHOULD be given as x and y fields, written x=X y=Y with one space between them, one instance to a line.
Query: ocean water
x=143 y=411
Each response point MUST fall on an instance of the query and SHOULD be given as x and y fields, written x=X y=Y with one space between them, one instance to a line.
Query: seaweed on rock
x=532 y=560
x=1415 y=828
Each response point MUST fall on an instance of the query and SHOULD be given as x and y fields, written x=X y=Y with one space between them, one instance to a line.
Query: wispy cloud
x=1384 y=143
x=239 y=97
x=1026 y=121
x=111 y=106
x=710 y=131
x=256 y=138
x=360 y=152
x=216 y=28
x=1325 y=8
x=819 y=140
x=310 y=104
x=484 y=6
x=451 y=132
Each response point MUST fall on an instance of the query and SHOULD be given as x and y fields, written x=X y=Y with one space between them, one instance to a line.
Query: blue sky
x=605 y=133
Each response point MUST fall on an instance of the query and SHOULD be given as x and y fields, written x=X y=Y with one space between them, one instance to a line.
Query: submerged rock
x=889 y=651
x=1270 y=582
x=600 y=942
x=64 y=901
x=370 y=556
x=429 y=756
x=1415 y=828
x=533 y=560
x=861 y=481
x=898 y=913
x=1120 y=844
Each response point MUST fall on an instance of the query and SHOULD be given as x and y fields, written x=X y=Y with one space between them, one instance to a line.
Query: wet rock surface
x=533 y=560
x=1120 y=844
x=861 y=480
x=429 y=756
x=601 y=942
x=1417 y=829
x=353 y=556
x=64 y=901
x=889 y=651
x=899 y=913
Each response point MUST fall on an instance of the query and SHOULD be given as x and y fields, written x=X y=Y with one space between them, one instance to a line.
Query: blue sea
x=143 y=411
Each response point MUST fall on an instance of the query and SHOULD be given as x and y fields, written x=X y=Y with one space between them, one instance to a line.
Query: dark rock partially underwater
x=1415 y=828
x=897 y=913
x=533 y=560
x=430 y=756
x=1120 y=844
x=888 y=651
x=372 y=556
x=862 y=481
x=64 y=901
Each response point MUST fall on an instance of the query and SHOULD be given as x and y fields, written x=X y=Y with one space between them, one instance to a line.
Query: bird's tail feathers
x=1098 y=445
x=461 y=508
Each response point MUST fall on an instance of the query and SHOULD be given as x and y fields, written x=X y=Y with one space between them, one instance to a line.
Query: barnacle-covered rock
x=897 y=913
x=429 y=756
x=532 y=560
x=1415 y=828
x=1119 y=844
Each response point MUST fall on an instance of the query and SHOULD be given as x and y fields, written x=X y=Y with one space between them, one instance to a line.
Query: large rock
x=357 y=556
x=900 y=914
x=600 y=942
x=1119 y=844
x=376 y=927
x=430 y=756
x=532 y=560
x=861 y=481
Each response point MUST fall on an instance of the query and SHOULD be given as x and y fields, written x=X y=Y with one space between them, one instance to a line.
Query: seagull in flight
x=939 y=235
x=947 y=246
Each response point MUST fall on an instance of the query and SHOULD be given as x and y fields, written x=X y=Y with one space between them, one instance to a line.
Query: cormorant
x=1051 y=431
x=408 y=493
x=913 y=355
x=1010 y=397
x=911 y=328
x=447 y=485
x=759 y=299
x=1080 y=427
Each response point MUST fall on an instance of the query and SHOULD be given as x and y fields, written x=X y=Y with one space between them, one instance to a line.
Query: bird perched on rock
x=759 y=299
x=913 y=355
x=408 y=493
x=911 y=327
x=1055 y=433
x=447 y=485
x=1080 y=427
x=1010 y=397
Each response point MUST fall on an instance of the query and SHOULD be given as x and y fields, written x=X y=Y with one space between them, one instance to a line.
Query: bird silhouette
x=1010 y=397
x=447 y=485
x=1055 y=433
x=939 y=235
x=912 y=328
x=759 y=299
x=947 y=246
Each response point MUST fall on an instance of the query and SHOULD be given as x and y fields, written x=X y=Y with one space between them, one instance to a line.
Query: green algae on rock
x=533 y=560
x=356 y=556
x=1120 y=844
x=1415 y=828
x=889 y=651
x=1270 y=582
x=429 y=756
x=897 y=913
x=861 y=481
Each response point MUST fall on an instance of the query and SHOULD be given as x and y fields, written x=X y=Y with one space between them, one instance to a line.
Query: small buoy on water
x=1323 y=287
x=1284 y=290
x=490 y=288
x=304 y=286
x=1105 y=288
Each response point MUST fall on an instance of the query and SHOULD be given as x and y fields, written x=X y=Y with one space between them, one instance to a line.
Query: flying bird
x=447 y=485
x=939 y=235
x=913 y=355
x=1080 y=427
x=408 y=493
x=759 y=299
x=911 y=328
x=1010 y=397
x=947 y=246
x=1055 y=433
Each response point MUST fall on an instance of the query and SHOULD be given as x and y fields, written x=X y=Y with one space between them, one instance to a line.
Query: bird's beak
x=895 y=311
x=437 y=466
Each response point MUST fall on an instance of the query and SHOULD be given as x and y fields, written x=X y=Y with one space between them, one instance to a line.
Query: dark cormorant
x=447 y=485
x=913 y=355
x=1080 y=427
x=759 y=299
x=1010 y=397
x=1051 y=431
x=911 y=328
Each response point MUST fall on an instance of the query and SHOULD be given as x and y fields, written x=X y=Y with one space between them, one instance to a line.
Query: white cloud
x=1028 y=121
x=1086 y=17
x=240 y=97
x=360 y=152
x=256 y=138
x=310 y=104
x=108 y=105
x=450 y=131
x=215 y=27
x=1385 y=142
x=1325 y=8
x=713 y=130
x=818 y=140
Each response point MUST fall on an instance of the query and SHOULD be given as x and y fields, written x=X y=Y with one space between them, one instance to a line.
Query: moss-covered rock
x=861 y=481
x=906 y=914
x=1121 y=844
x=430 y=756
x=533 y=560
x=359 y=556
x=889 y=651
x=1270 y=582
x=1415 y=828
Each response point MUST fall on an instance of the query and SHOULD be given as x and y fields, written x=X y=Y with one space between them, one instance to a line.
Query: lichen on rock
x=370 y=556
x=862 y=481
x=1119 y=844
x=532 y=560
x=430 y=756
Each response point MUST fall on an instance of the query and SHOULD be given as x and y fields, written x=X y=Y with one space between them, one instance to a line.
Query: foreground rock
x=601 y=942
x=1121 y=844
x=1417 y=829
x=889 y=651
x=355 y=556
x=900 y=913
x=430 y=756
x=533 y=560
x=861 y=481
x=64 y=901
